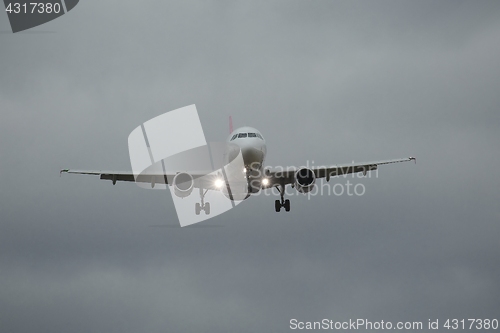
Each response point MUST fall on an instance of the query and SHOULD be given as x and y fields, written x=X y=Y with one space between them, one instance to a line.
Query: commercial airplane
x=246 y=180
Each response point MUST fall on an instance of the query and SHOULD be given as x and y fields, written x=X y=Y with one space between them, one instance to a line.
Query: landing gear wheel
x=277 y=206
x=282 y=203
x=207 y=208
x=287 y=205
x=197 y=208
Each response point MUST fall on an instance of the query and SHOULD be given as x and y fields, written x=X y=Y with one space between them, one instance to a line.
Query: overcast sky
x=329 y=81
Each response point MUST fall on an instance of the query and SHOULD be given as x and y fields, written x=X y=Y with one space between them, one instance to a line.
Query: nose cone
x=252 y=155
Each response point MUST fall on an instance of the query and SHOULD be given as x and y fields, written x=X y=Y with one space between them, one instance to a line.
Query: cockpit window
x=260 y=136
x=252 y=135
x=242 y=135
x=234 y=137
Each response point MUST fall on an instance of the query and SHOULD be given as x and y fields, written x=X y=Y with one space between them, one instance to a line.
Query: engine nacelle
x=183 y=184
x=304 y=180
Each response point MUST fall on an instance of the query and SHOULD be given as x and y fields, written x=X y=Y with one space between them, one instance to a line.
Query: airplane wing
x=283 y=177
x=110 y=175
x=207 y=180
x=204 y=180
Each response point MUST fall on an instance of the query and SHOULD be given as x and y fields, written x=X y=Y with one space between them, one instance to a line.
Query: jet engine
x=183 y=184
x=304 y=180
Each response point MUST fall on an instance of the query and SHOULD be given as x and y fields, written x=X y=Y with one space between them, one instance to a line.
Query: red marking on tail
x=230 y=125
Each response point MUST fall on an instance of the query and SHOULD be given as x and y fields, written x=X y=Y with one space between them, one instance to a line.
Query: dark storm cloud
x=327 y=81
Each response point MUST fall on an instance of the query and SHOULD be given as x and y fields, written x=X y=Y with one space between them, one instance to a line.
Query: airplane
x=251 y=179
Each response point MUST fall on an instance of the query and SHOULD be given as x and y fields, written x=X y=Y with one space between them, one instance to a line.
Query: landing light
x=218 y=183
x=265 y=181
x=244 y=170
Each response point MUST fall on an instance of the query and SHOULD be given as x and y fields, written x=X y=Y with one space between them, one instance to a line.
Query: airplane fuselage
x=252 y=145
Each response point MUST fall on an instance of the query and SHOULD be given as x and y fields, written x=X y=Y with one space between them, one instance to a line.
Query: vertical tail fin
x=230 y=125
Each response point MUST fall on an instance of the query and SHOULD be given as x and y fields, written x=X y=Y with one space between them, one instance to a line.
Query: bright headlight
x=218 y=183
x=265 y=181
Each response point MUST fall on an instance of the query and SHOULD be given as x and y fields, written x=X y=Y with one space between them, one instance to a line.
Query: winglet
x=63 y=170
x=413 y=159
x=230 y=125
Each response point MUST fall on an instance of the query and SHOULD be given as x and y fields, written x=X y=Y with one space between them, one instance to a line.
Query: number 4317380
x=33 y=8
x=470 y=324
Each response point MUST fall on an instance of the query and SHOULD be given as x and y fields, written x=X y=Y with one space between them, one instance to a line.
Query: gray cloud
x=329 y=81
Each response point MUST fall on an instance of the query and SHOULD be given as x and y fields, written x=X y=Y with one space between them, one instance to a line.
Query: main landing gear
x=205 y=206
x=282 y=203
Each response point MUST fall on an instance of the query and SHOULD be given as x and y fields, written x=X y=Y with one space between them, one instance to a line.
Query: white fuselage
x=250 y=142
